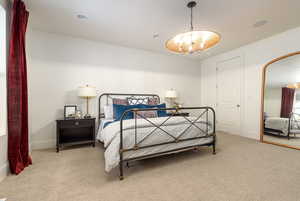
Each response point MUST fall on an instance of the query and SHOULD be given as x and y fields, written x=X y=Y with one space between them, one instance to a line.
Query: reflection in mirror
x=282 y=102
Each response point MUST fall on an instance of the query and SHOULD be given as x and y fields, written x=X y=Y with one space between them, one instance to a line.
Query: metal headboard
x=109 y=96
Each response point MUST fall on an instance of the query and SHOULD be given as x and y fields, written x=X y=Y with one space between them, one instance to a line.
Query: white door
x=229 y=75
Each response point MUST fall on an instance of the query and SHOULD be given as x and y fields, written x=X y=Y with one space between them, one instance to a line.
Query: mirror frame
x=263 y=97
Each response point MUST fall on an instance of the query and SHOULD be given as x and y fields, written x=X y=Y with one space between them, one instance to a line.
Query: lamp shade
x=87 y=91
x=171 y=94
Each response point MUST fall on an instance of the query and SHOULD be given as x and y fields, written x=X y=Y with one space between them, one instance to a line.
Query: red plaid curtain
x=18 y=147
x=287 y=102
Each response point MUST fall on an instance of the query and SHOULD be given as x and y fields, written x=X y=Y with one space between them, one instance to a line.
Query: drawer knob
x=76 y=123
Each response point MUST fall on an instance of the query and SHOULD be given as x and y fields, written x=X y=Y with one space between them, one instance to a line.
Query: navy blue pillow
x=160 y=113
x=120 y=109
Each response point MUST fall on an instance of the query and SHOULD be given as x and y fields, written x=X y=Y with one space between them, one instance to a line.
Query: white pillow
x=108 y=112
x=136 y=101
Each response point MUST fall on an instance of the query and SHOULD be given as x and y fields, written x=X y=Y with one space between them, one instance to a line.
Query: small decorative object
x=70 y=111
x=87 y=92
x=78 y=114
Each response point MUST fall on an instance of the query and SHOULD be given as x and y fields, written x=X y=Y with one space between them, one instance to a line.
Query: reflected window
x=296 y=108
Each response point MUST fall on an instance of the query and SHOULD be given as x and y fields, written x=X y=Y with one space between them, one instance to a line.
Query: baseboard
x=249 y=134
x=4 y=170
x=252 y=135
x=42 y=144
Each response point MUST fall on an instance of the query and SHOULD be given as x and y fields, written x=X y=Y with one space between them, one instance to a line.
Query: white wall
x=58 y=64
x=255 y=55
x=3 y=107
x=272 y=101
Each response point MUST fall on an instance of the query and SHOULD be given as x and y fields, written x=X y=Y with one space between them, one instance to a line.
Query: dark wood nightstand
x=75 y=132
x=182 y=114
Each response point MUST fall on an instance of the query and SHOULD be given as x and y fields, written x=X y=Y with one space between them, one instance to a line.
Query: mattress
x=149 y=134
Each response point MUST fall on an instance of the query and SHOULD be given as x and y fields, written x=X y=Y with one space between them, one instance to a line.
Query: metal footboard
x=205 y=115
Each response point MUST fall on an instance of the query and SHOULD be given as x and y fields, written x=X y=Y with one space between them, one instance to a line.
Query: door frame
x=264 y=70
x=242 y=87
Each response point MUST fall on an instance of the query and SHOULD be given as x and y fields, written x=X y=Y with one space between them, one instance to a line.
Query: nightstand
x=71 y=132
x=182 y=114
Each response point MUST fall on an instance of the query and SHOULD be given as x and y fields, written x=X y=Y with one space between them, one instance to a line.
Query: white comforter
x=175 y=126
x=277 y=123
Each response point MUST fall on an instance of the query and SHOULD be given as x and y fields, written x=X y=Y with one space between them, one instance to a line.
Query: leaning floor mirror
x=280 y=115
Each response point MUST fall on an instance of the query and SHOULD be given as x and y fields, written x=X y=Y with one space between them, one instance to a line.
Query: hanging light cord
x=192 y=27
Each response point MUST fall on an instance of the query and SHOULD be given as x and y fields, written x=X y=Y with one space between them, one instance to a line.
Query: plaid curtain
x=287 y=102
x=18 y=147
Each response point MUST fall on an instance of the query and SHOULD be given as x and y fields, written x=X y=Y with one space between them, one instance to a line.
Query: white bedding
x=100 y=129
x=175 y=126
x=277 y=123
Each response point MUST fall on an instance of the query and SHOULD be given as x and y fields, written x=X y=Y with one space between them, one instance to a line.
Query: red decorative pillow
x=145 y=114
x=119 y=101
x=153 y=101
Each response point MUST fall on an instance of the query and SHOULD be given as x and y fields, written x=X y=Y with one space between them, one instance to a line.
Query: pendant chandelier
x=192 y=41
x=294 y=86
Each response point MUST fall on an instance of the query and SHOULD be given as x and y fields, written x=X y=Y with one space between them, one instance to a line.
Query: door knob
x=238 y=105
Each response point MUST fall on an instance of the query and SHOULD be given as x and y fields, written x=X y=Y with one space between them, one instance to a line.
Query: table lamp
x=171 y=95
x=87 y=92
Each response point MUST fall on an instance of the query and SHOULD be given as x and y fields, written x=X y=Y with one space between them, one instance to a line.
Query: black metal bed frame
x=137 y=144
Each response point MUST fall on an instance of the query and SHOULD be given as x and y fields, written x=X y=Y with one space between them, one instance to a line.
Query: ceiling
x=132 y=23
x=283 y=72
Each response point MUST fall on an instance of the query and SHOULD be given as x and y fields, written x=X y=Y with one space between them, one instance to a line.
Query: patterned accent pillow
x=137 y=101
x=153 y=101
x=145 y=114
x=119 y=101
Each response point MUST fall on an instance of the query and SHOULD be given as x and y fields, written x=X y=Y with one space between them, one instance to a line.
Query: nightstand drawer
x=75 y=123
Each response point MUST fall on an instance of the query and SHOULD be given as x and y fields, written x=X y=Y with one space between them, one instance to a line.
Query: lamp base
x=87 y=116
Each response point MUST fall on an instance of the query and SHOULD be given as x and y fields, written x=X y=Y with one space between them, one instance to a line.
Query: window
x=3 y=106
x=296 y=106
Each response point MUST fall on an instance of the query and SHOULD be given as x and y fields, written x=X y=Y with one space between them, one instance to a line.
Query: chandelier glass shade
x=192 y=41
x=294 y=86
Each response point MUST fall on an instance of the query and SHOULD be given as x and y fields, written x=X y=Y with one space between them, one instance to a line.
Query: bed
x=282 y=126
x=140 y=137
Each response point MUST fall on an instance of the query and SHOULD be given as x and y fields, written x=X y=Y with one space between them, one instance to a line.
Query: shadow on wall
x=45 y=136
x=71 y=96
x=66 y=49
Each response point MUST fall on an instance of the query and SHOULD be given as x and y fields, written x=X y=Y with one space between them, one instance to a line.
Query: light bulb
x=191 y=49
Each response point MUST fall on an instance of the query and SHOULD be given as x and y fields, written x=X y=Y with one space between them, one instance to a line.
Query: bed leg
x=121 y=170
x=214 y=148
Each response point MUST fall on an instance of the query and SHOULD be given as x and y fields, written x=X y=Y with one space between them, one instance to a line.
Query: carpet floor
x=293 y=141
x=242 y=170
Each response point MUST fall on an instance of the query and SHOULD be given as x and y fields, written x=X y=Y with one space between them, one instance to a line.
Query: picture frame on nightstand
x=70 y=111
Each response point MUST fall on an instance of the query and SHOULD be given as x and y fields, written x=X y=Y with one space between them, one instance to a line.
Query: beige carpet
x=293 y=141
x=242 y=170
